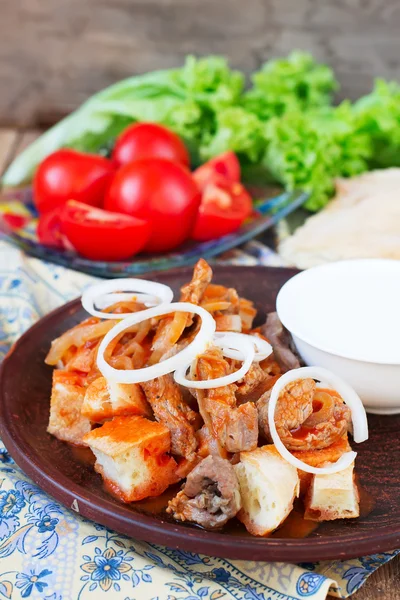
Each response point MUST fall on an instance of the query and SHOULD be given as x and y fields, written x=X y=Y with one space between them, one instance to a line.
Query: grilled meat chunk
x=210 y=496
x=281 y=342
x=165 y=398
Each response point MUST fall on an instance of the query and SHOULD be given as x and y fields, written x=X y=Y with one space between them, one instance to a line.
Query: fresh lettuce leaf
x=297 y=82
x=283 y=128
x=308 y=150
x=378 y=116
x=237 y=130
x=210 y=82
x=101 y=142
x=185 y=99
x=142 y=97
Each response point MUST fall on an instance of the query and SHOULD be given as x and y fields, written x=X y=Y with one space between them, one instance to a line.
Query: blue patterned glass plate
x=267 y=213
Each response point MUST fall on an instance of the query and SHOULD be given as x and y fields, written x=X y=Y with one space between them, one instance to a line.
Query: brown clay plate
x=58 y=469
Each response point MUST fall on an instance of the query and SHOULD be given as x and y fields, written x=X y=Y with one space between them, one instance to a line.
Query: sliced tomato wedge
x=226 y=164
x=103 y=235
x=14 y=221
x=14 y=214
x=224 y=207
x=49 y=229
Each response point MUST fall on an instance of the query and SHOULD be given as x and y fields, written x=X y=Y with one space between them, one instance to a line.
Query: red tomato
x=49 y=228
x=224 y=207
x=160 y=191
x=102 y=235
x=14 y=221
x=225 y=164
x=67 y=174
x=149 y=140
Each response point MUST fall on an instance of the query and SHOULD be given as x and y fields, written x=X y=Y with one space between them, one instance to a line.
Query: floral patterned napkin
x=49 y=552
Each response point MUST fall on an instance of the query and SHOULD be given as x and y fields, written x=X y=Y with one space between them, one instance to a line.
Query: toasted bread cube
x=333 y=496
x=107 y=399
x=268 y=487
x=66 y=420
x=317 y=458
x=131 y=456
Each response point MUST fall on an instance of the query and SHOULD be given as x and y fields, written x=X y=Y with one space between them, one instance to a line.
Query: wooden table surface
x=385 y=582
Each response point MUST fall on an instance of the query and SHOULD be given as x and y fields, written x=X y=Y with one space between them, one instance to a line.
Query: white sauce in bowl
x=348 y=308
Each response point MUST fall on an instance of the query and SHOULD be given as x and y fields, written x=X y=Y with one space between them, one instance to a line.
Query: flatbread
x=362 y=221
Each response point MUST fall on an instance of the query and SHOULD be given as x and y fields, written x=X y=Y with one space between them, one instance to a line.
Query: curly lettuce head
x=297 y=82
x=209 y=81
x=308 y=151
x=378 y=116
x=237 y=130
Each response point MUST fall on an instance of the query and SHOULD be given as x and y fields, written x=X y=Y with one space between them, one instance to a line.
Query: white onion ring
x=358 y=415
x=187 y=355
x=263 y=348
x=228 y=340
x=162 y=293
x=109 y=299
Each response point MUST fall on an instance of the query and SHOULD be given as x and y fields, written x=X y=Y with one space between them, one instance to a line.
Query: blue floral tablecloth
x=48 y=551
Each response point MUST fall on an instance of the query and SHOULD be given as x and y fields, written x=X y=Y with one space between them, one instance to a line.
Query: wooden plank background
x=55 y=53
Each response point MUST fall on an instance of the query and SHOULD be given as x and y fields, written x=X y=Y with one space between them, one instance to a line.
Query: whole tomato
x=68 y=174
x=163 y=193
x=149 y=140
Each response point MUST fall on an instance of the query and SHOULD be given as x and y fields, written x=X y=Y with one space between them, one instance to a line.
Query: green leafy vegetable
x=297 y=82
x=184 y=99
x=308 y=150
x=209 y=82
x=101 y=142
x=378 y=116
x=284 y=128
x=237 y=130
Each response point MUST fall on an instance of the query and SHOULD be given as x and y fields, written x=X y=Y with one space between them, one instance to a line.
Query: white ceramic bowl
x=345 y=316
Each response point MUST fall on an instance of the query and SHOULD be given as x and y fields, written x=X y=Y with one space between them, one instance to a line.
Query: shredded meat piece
x=169 y=408
x=296 y=422
x=167 y=334
x=210 y=496
x=231 y=296
x=171 y=328
x=270 y=366
x=250 y=383
x=228 y=323
x=235 y=428
x=208 y=444
x=223 y=303
x=219 y=297
x=247 y=313
x=194 y=290
x=188 y=336
x=281 y=342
